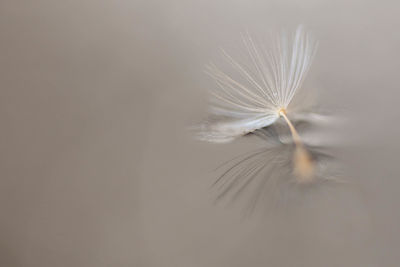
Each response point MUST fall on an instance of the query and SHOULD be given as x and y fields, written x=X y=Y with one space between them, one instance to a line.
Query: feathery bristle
x=266 y=83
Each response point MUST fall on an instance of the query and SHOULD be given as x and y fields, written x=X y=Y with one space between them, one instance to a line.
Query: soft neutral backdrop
x=97 y=168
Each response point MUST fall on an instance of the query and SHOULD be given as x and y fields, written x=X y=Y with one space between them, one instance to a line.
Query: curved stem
x=303 y=164
x=295 y=134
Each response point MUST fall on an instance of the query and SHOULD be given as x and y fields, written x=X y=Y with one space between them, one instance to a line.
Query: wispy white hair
x=253 y=99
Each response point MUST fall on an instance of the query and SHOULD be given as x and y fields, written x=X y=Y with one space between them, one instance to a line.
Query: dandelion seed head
x=252 y=96
x=255 y=97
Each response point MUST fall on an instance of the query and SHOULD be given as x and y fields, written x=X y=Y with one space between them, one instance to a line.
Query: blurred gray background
x=98 y=170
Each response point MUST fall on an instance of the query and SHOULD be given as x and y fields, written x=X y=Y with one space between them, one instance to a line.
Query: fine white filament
x=262 y=91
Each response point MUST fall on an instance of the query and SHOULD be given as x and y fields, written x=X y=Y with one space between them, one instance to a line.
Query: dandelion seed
x=262 y=95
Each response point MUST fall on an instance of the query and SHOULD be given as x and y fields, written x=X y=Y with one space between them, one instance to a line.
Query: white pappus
x=258 y=98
